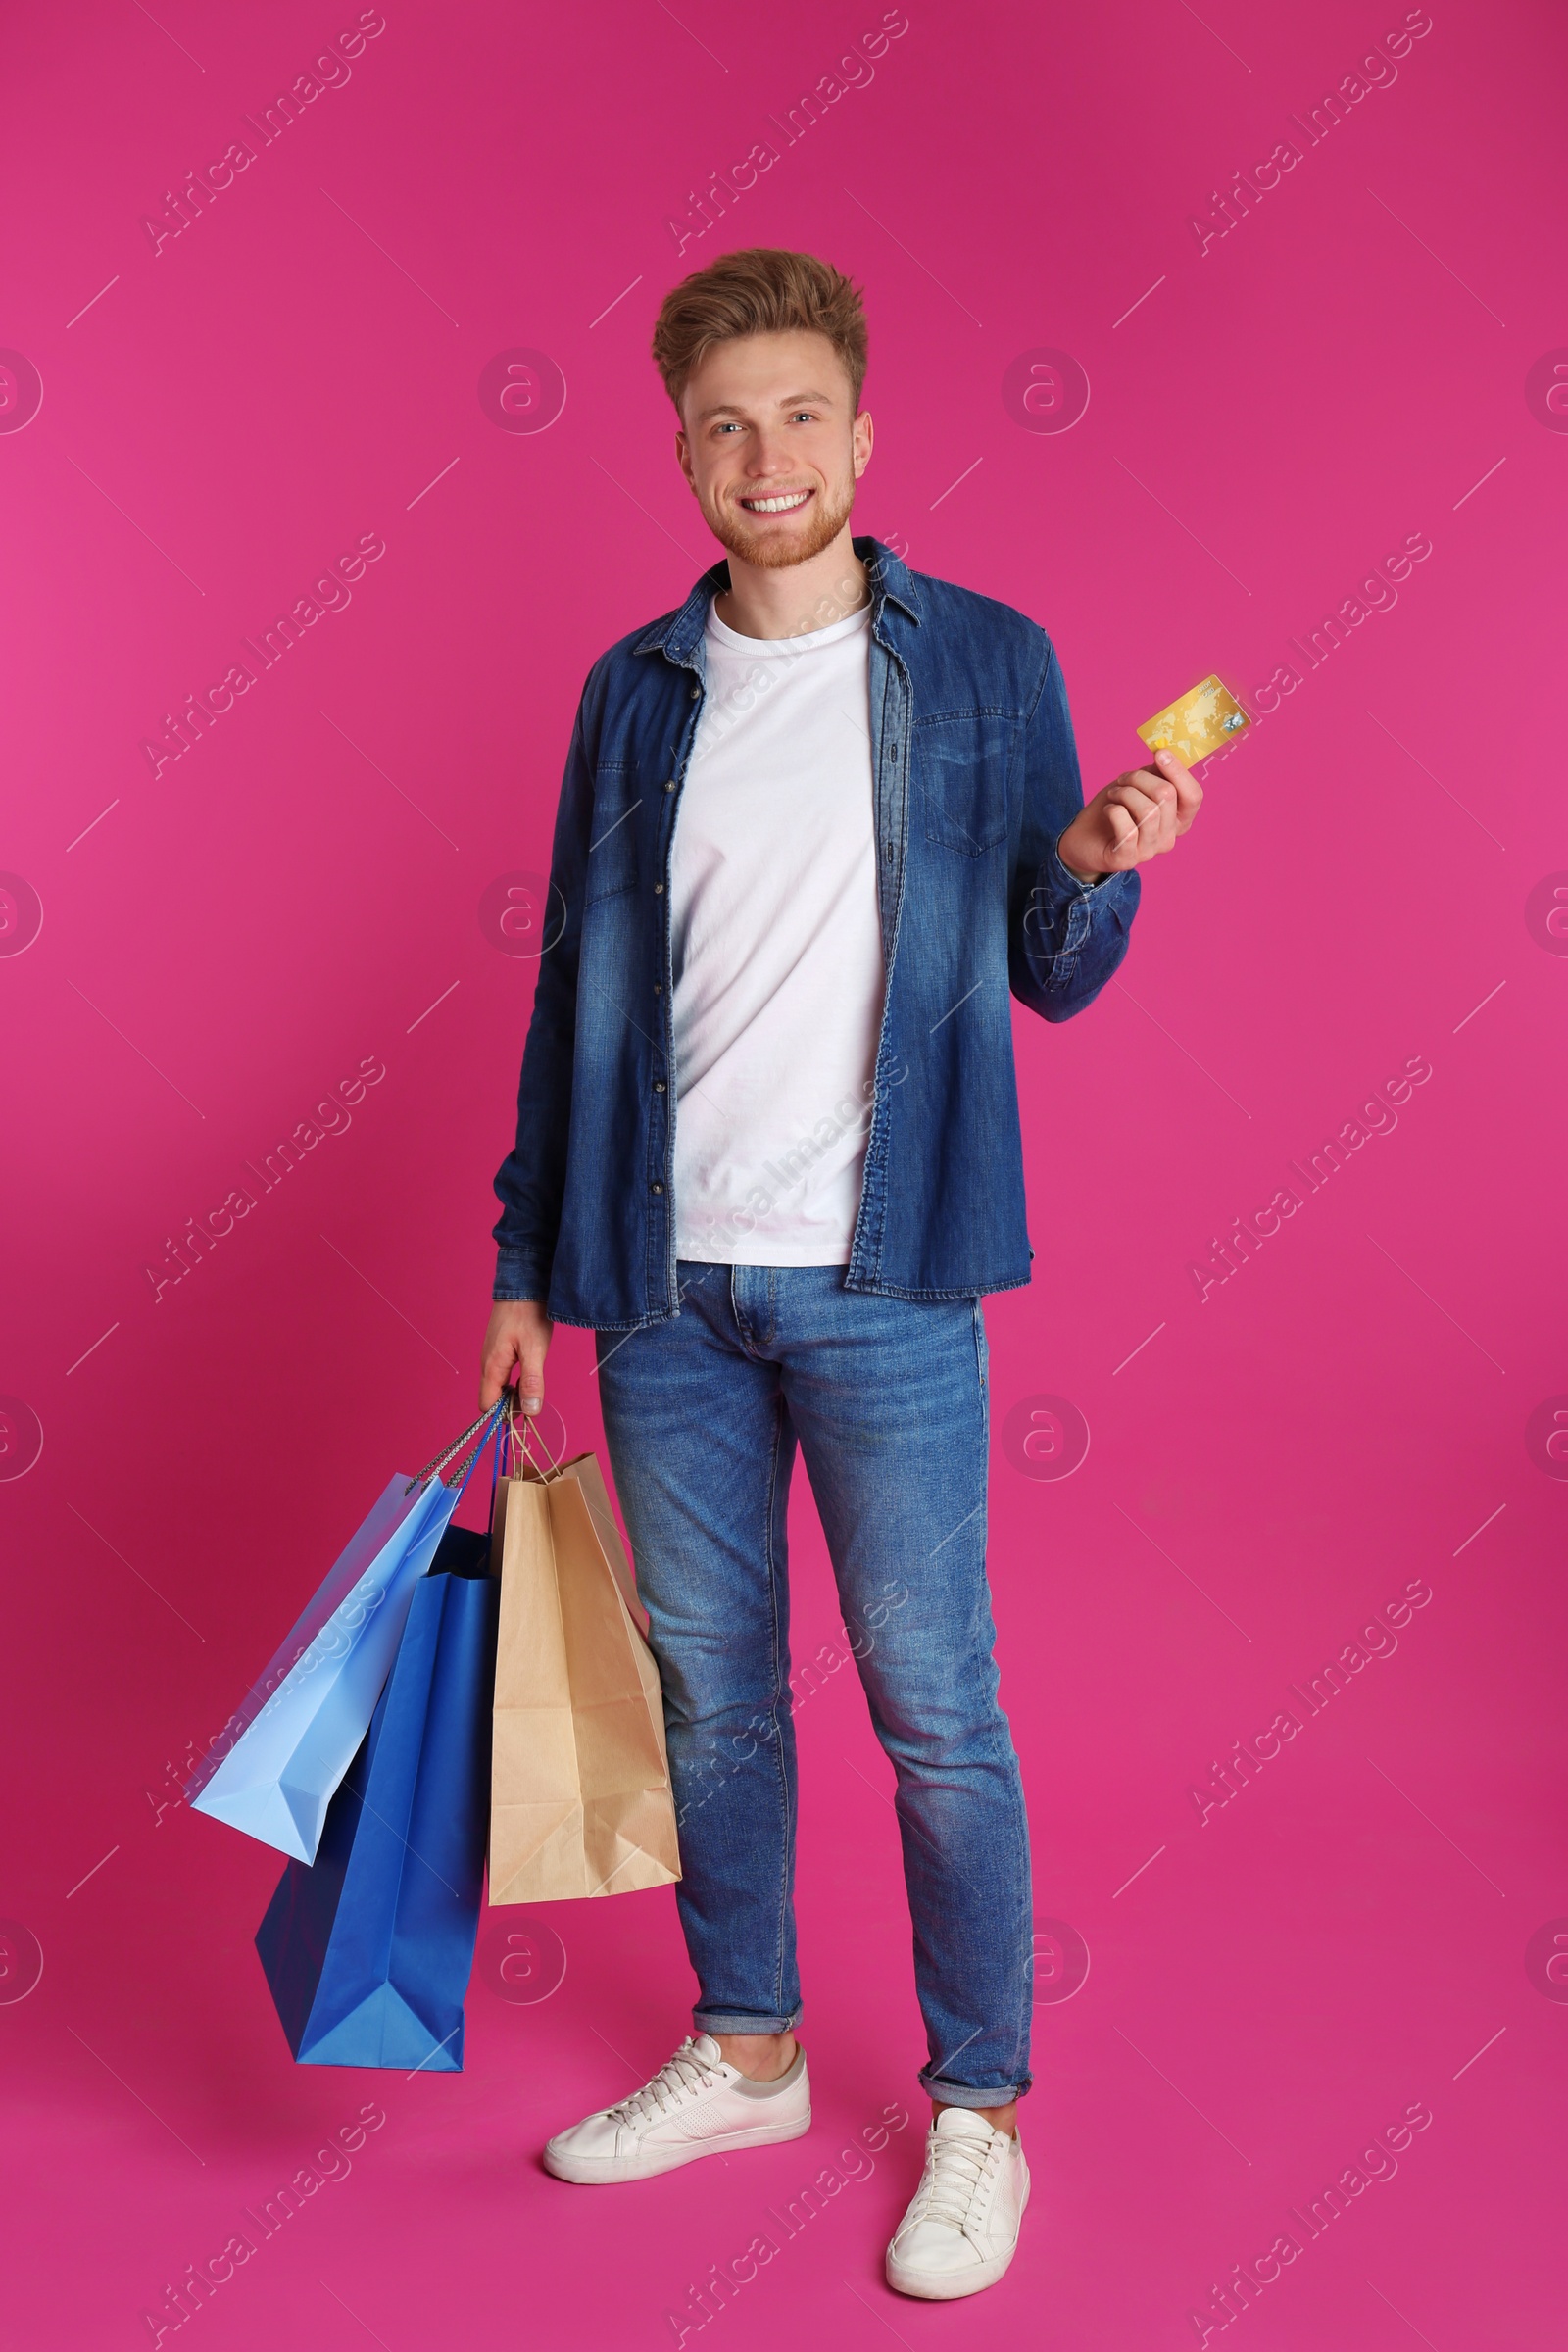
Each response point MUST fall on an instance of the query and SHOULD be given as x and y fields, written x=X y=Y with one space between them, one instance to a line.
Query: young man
x=815 y=825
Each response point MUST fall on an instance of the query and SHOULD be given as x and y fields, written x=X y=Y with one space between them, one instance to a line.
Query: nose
x=770 y=456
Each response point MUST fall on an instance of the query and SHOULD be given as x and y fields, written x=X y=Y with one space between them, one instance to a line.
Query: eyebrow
x=796 y=400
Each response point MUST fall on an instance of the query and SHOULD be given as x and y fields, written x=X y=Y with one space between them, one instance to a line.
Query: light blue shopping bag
x=305 y=1716
x=367 y=1952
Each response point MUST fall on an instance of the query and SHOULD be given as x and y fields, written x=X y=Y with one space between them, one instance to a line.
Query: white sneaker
x=961 y=2231
x=695 y=2105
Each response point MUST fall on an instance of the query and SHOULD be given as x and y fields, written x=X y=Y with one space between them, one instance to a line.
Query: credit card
x=1201 y=722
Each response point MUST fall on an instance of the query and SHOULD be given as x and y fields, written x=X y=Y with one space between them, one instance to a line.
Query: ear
x=684 y=457
x=861 y=442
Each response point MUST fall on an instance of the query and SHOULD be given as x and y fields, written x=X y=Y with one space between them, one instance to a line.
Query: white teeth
x=776 y=505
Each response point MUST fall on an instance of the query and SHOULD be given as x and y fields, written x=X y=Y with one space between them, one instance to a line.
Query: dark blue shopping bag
x=369 y=1952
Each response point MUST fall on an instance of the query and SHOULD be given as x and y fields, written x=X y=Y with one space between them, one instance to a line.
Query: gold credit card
x=1198 y=722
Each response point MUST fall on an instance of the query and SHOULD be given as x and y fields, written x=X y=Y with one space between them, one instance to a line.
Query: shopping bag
x=580 y=1799
x=369 y=1952
x=307 y=1713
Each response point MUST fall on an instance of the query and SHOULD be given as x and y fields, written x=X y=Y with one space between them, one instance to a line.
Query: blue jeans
x=889 y=1401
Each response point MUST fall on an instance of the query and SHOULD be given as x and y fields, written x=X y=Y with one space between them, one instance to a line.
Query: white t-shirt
x=777 y=950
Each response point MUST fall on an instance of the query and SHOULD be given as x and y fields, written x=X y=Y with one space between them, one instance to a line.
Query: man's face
x=772 y=445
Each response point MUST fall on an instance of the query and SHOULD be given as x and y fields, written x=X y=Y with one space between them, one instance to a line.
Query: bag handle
x=493 y=1437
x=438 y=1463
x=525 y=1444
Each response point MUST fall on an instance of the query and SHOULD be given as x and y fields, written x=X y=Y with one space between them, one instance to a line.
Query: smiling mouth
x=782 y=501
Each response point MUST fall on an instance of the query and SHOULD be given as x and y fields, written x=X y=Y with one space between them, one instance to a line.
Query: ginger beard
x=792 y=539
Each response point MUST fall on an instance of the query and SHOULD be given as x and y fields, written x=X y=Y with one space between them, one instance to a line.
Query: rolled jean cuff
x=967 y=2094
x=736 y=2021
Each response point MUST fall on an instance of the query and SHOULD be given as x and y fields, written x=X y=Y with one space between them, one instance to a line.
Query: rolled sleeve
x=1065 y=936
x=519 y=1275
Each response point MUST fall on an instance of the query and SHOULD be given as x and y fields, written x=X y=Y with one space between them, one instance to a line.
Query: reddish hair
x=764 y=290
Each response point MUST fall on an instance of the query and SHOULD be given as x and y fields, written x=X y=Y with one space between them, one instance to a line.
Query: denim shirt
x=975 y=778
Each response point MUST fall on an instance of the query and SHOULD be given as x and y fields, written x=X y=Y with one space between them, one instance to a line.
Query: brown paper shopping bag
x=580 y=1796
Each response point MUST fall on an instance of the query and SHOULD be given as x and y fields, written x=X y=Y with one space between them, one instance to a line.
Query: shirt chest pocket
x=612 y=841
x=962 y=761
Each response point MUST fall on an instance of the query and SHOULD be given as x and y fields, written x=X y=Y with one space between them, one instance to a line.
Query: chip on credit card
x=1202 y=720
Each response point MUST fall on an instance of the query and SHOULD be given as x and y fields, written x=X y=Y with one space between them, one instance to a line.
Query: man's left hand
x=1136 y=818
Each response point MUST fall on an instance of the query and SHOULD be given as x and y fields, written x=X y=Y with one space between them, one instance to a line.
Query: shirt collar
x=677 y=634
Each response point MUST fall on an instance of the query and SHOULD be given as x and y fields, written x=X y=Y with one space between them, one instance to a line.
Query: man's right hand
x=518 y=1334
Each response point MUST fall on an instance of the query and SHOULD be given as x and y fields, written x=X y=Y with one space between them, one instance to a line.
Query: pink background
x=301 y=891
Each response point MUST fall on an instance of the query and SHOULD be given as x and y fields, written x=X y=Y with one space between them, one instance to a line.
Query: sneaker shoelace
x=958 y=2170
x=679 y=2079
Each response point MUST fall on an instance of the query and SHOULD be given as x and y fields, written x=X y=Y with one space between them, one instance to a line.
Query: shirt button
x=657 y=1188
x=696 y=691
x=658 y=890
x=671 y=786
x=658 y=1086
x=659 y=987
